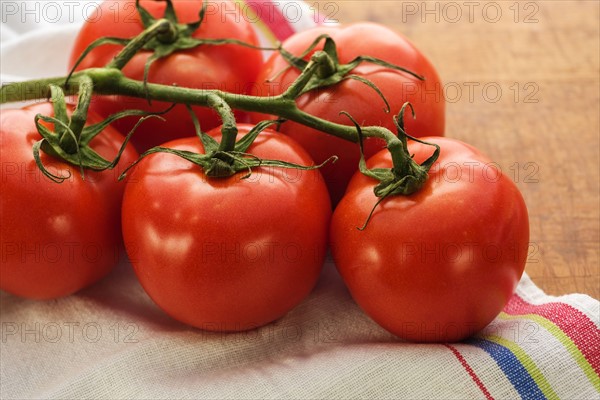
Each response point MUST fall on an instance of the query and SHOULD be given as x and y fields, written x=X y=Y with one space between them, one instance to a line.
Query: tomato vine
x=321 y=70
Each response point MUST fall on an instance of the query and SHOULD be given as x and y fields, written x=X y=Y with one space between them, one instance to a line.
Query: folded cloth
x=111 y=341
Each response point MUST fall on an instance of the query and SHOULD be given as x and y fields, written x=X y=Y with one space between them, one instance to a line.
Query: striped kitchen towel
x=276 y=20
x=111 y=341
x=538 y=347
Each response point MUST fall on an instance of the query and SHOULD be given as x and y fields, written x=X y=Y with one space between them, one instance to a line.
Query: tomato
x=440 y=264
x=226 y=67
x=226 y=254
x=56 y=238
x=354 y=97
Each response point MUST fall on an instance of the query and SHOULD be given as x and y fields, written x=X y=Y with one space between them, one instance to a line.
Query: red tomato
x=228 y=67
x=226 y=254
x=56 y=238
x=440 y=264
x=354 y=97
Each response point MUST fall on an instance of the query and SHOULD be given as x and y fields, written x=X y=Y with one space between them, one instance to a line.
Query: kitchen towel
x=111 y=341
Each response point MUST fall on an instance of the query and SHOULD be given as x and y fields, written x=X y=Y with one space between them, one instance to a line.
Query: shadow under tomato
x=120 y=292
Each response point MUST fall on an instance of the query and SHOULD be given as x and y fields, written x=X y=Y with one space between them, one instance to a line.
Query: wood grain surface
x=522 y=81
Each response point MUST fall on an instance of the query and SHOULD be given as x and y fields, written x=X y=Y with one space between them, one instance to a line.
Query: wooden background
x=523 y=84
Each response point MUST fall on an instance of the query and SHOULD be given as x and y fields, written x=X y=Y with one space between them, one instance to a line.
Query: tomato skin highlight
x=440 y=264
x=226 y=254
x=56 y=238
x=230 y=68
x=354 y=97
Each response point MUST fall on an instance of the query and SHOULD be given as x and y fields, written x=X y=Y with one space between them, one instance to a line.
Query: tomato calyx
x=331 y=71
x=221 y=162
x=70 y=139
x=162 y=37
x=406 y=176
x=172 y=36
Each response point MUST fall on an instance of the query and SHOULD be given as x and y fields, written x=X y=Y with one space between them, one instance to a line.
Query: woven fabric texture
x=111 y=341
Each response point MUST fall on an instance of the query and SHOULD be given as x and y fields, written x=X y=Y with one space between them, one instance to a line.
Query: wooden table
x=522 y=80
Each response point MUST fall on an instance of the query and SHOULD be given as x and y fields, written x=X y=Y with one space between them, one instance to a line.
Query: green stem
x=79 y=117
x=160 y=28
x=34 y=89
x=229 y=126
x=398 y=149
x=317 y=60
x=110 y=81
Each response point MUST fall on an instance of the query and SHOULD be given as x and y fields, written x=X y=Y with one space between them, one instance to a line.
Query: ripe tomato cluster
x=239 y=252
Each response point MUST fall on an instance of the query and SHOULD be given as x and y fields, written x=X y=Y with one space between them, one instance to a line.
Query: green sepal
x=193 y=27
x=370 y=84
x=245 y=142
x=145 y=16
x=91 y=131
x=96 y=43
x=399 y=123
x=208 y=142
x=224 y=164
x=70 y=139
x=403 y=179
x=148 y=19
x=85 y=157
x=241 y=146
x=332 y=72
x=299 y=62
x=180 y=37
